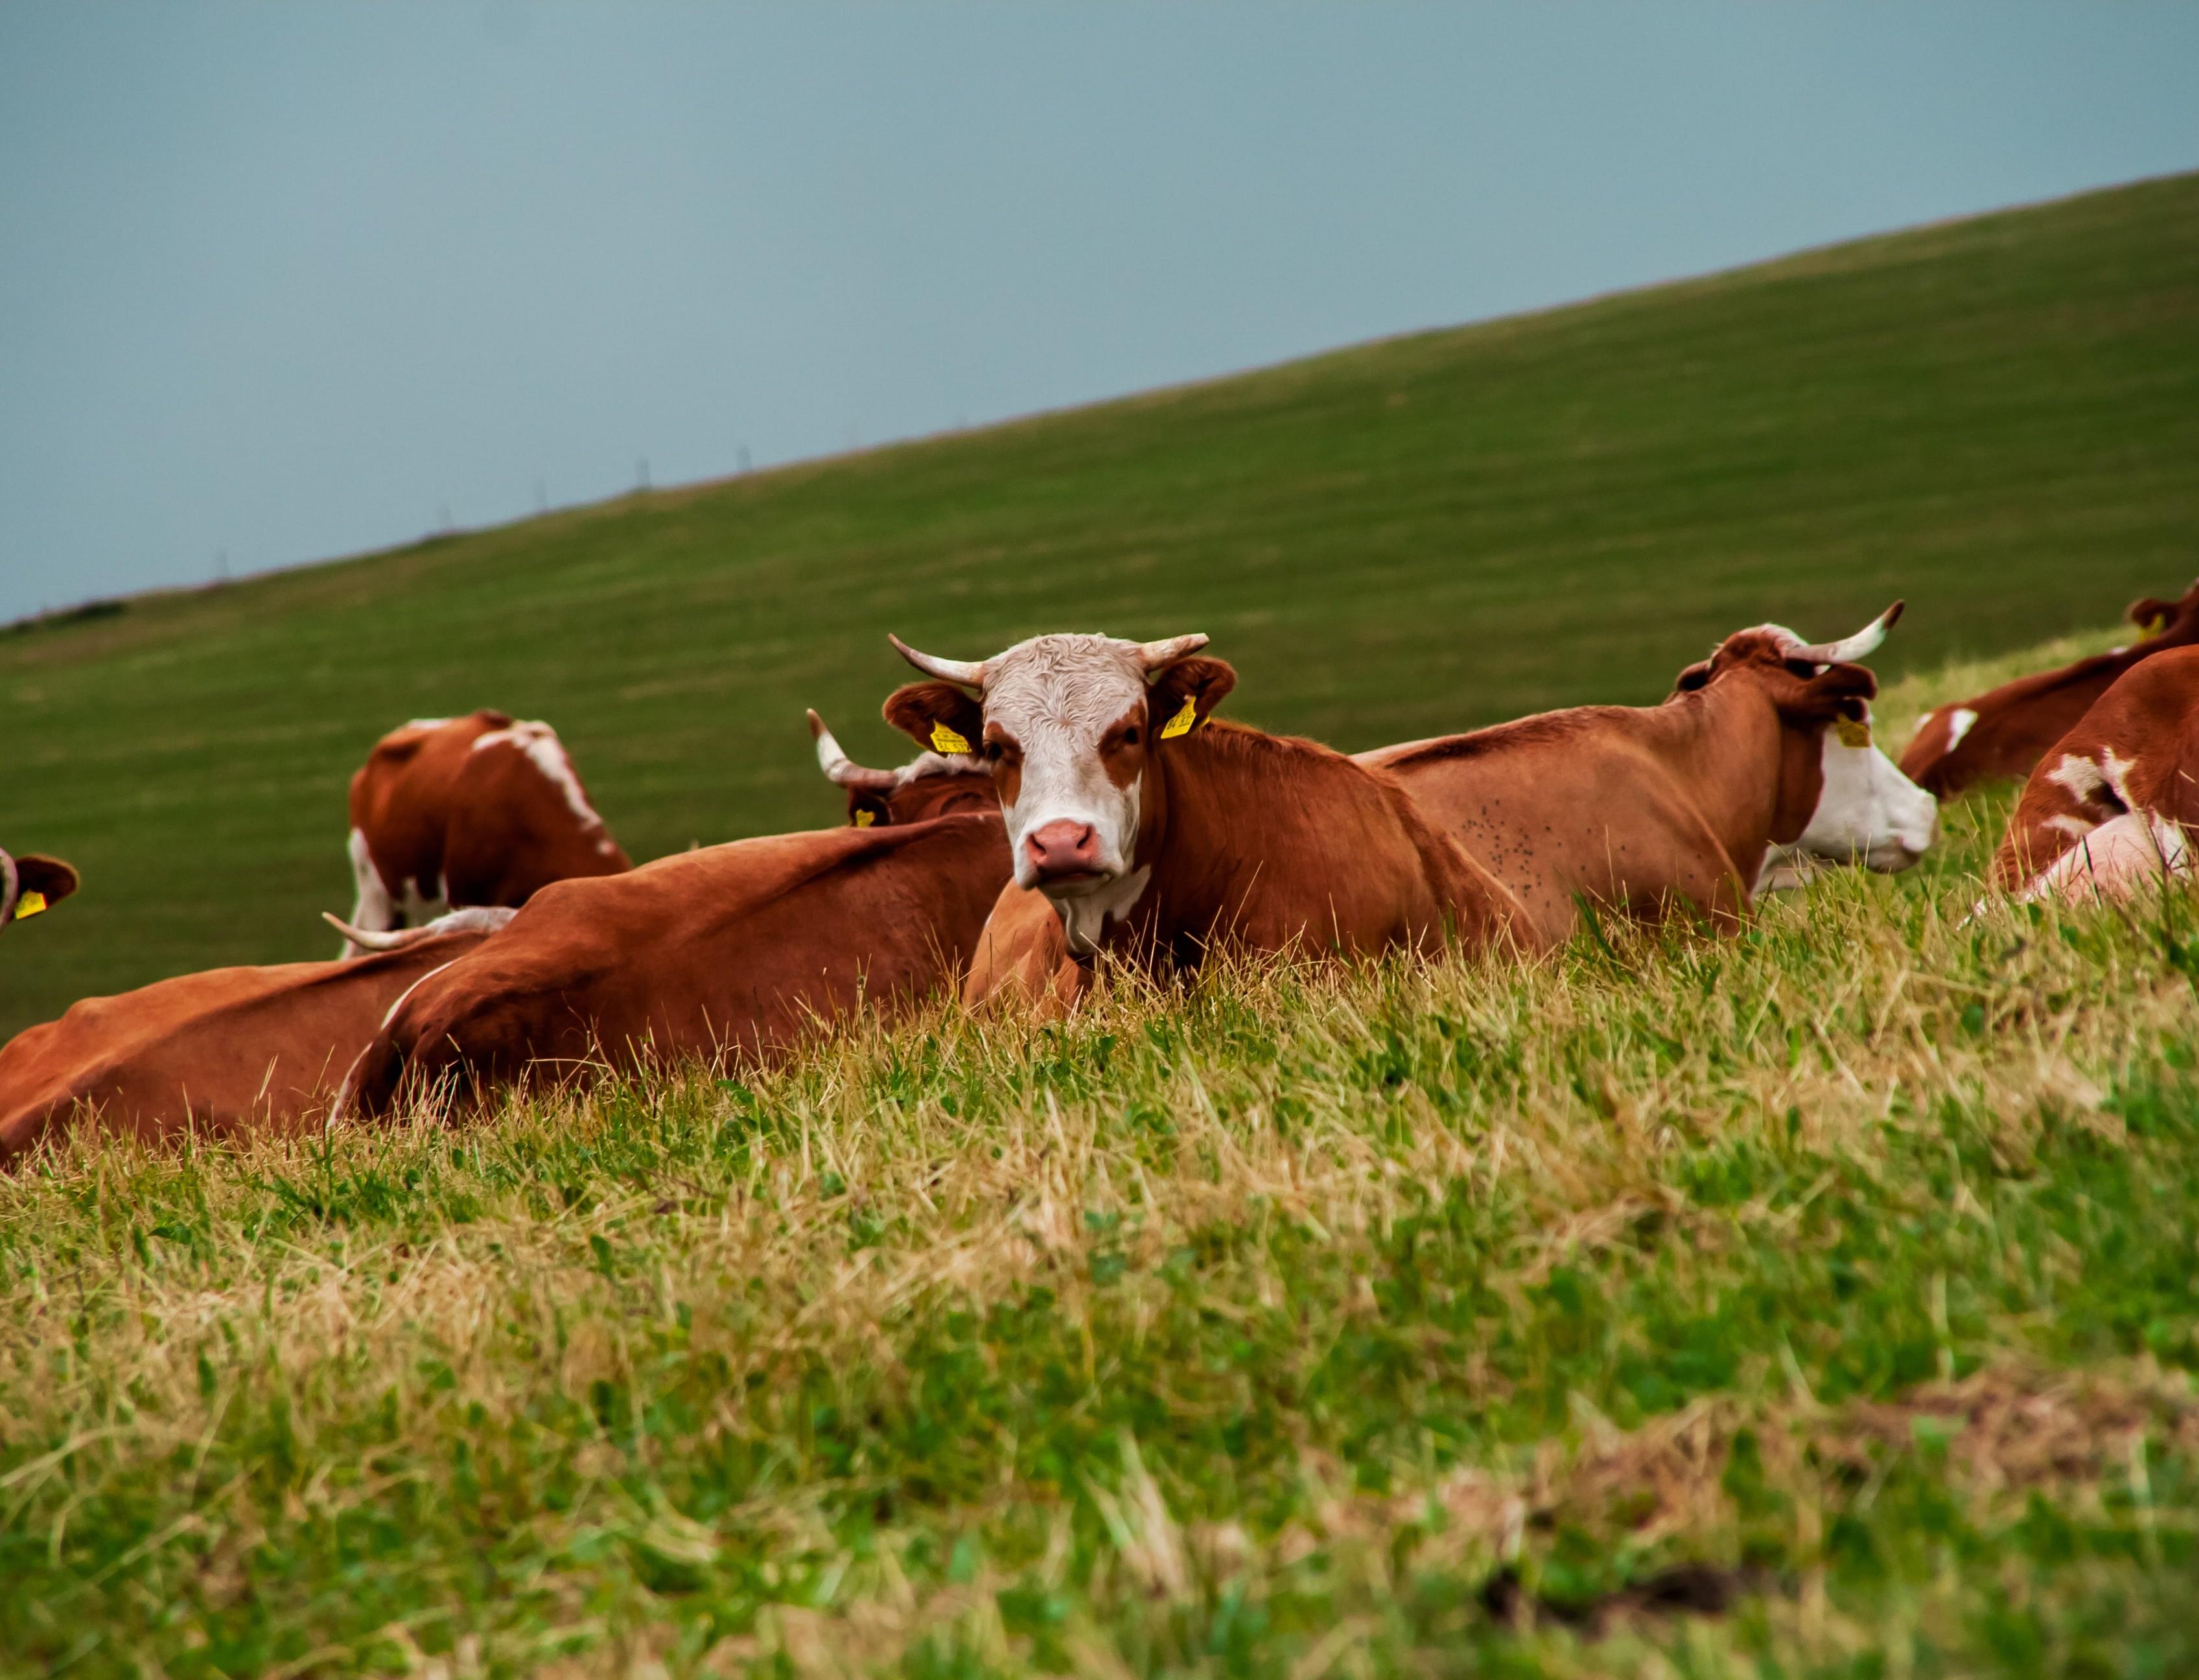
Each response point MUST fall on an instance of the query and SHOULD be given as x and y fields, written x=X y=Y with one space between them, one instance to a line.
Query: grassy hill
x=1252 y=1330
x=1998 y=418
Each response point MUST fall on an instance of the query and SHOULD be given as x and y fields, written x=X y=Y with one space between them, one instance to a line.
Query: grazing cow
x=32 y=884
x=234 y=1052
x=2005 y=731
x=477 y=810
x=1152 y=831
x=1643 y=808
x=723 y=953
x=931 y=785
x=2111 y=805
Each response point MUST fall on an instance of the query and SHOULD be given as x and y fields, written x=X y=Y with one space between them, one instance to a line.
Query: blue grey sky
x=283 y=282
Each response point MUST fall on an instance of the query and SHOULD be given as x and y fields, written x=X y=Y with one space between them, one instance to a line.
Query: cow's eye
x=1130 y=736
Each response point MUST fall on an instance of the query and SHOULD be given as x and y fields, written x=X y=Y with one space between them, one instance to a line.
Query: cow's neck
x=1749 y=780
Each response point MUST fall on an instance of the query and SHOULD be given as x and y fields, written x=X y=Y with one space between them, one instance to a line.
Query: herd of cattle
x=1076 y=797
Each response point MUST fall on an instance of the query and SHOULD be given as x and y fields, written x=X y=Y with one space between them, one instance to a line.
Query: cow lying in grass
x=2006 y=730
x=1684 y=804
x=1150 y=831
x=32 y=884
x=1638 y=809
x=477 y=810
x=232 y=1052
x=2110 y=808
x=721 y=955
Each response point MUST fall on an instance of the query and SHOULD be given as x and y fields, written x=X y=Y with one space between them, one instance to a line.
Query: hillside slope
x=1997 y=419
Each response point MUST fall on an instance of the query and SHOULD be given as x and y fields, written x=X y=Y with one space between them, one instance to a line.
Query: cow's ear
x=867 y=810
x=47 y=877
x=2151 y=614
x=940 y=716
x=1838 y=693
x=1186 y=694
x=1694 y=677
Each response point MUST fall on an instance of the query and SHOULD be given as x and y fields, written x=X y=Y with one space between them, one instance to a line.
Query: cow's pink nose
x=1063 y=848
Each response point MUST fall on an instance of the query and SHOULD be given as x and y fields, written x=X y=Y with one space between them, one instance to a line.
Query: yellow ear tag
x=864 y=818
x=2155 y=625
x=1852 y=733
x=945 y=740
x=30 y=904
x=1181 y=723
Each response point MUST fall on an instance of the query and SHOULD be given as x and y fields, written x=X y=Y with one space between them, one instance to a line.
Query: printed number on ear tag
x=30 y=904
x=864 y=818
x=1181 y=723
x=945 y=740
x=1852 y=733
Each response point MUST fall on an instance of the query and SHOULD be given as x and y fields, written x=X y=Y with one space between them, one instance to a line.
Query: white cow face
x=1068 y=726
x=1868 y=813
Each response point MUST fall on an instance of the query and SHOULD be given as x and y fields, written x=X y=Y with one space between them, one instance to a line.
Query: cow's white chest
x=1085 y=918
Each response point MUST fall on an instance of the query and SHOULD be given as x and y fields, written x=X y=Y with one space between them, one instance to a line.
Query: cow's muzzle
x=1064 y=852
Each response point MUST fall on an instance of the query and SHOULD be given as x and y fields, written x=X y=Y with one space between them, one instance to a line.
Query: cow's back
x=729 y=952
x=1564 y=807
x=225 y=1053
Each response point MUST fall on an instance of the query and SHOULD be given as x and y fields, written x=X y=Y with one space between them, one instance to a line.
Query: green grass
x=1252 y=1329
x=1997 y=419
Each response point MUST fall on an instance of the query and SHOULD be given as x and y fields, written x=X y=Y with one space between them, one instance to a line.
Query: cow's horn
x=969 y=673
x=1864 y=642
x=473 y=919
x=841 y=770
x=1155 y=655
x=366 y=940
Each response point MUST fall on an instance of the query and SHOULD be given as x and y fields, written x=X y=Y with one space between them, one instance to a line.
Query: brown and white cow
x=2112 y=805
x=458 y=812
x=725 y=954
x=231 y=1052
x=931 y=785
x=2006 y=730
x=1647 y=809
x=33 y=883
x=1152 y=831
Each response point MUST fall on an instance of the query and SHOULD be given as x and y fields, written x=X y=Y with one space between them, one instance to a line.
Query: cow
x=2006 y=730
x=231 y=1052
x=726 y=954
x=2111 y=805
x=32 y=884
x=474 y=811
x=931 y=785
x=1153 y=831
x=1682 y=805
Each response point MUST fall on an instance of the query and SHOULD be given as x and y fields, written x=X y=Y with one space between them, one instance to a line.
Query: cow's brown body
x=1257 y=842
x=725 y=954
x=2135 y=753
x=229 y=1052
x=1642 y=809
x=477 y=810
x=2005 y=731
x=1273 y=844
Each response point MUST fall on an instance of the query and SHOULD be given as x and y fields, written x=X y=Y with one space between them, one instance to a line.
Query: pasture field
x=1997 y=419
x=1431 y=1319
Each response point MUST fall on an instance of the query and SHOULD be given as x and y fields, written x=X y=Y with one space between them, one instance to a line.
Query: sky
x=279 y=283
